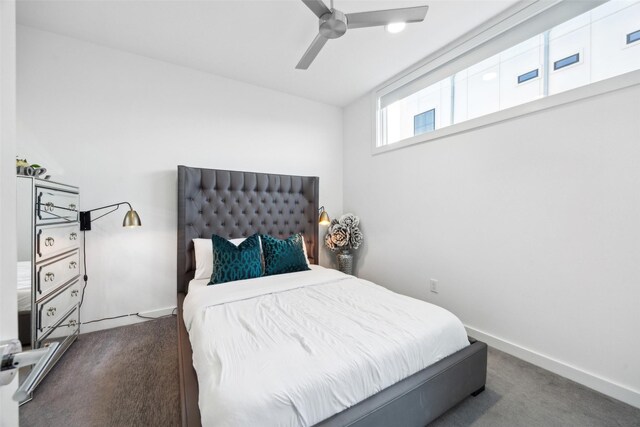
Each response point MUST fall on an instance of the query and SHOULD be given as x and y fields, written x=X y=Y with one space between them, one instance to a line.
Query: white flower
x=355 y=238
x=349 y=220
x=344 y=233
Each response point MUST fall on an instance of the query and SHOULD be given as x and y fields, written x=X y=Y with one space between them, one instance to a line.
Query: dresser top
x=47 y=183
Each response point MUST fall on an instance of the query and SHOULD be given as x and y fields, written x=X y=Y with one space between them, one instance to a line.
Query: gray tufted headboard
x=236 y=204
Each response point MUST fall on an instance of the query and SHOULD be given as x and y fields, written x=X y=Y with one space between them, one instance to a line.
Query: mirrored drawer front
x=55 y=272
x=56 y=239
x=69 y=326
x=54 y=309
x=55 y=206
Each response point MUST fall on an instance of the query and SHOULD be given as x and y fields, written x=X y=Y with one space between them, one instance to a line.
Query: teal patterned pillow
x=283 y=256
x=231 y=262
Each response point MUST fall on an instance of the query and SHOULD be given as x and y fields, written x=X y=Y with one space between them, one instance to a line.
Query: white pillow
x=204 y=256
x=304 y=248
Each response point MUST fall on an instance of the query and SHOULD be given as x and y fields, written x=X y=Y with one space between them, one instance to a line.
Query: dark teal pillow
x=231 y=262
x=283 y=256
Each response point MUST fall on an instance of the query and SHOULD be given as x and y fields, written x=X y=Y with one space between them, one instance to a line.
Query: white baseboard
x=123 y=321
x=593 y=381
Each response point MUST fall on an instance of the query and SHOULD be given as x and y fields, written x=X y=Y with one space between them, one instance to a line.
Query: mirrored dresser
x=49 y=288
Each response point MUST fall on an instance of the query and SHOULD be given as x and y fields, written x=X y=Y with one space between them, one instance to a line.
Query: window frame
x=446 y=62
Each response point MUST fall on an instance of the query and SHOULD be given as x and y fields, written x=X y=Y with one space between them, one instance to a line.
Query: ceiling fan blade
x=384 y=17
x=317 y=7
x=311 y=52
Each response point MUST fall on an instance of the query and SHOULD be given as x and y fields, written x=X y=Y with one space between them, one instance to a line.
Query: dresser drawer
x=54 y=309
x=69 y=326
x=56 y=239
x=55 y=206
x=52 y=273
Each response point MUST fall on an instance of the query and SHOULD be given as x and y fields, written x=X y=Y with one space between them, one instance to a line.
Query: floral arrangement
x=344 y=233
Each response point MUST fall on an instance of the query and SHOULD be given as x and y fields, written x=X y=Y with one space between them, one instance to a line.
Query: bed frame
x=236 y=204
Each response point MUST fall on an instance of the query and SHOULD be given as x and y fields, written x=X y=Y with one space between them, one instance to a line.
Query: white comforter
x=295 y=349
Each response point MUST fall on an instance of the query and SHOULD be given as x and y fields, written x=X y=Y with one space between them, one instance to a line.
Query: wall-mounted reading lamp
x=131 y=218
x=324 y=217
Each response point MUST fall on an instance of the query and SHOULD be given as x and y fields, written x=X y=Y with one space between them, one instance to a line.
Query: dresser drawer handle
x=48 y=207
x=51 y=311
x=72 y=322
x=73 y=236
x=49 y=241
x=72 y=206
x=74 y=293
x=49 y=277
x=73 y=265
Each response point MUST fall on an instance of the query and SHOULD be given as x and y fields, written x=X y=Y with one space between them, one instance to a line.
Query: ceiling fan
x=334 y=24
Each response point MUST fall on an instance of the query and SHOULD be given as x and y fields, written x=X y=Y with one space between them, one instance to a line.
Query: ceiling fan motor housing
x=333 y=25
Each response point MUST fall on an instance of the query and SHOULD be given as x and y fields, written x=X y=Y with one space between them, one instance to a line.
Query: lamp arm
x=110 y=206
x=85 y=216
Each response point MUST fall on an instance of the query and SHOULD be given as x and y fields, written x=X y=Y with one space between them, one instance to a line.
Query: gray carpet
x=128 y=377
x=125 y=376
x=521 y=394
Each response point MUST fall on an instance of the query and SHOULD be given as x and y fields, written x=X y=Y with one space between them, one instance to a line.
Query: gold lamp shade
x=131 y=219
x=324 y=217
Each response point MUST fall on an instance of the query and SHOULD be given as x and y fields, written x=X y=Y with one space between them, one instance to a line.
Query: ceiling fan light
x=395 y=27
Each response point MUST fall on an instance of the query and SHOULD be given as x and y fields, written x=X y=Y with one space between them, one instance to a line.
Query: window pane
x=599 y=44
x=528 y=76
x=565 y=62
x=398 y=122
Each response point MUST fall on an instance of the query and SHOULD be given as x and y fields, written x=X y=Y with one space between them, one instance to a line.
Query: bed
x=235 y=204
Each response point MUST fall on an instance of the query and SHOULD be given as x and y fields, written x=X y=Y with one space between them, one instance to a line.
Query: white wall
x=118 y=124
x=8 y=256
x=531 y=226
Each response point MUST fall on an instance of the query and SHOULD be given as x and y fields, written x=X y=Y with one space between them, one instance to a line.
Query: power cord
x=173 y=314
x=84 y=266
x=85 y=278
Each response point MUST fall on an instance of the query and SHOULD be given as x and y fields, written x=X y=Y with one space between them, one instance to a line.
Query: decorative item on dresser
x=344 y=234
x=48 y=266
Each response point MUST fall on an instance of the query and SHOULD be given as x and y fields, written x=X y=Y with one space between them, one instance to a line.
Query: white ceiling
x=260 y=42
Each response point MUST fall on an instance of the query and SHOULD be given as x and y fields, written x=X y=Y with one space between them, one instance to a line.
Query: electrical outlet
x=434 y=285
